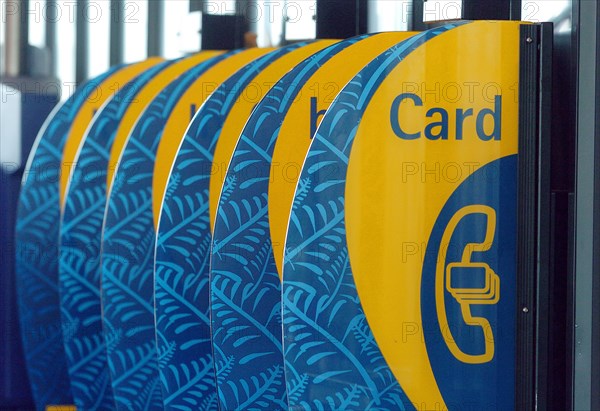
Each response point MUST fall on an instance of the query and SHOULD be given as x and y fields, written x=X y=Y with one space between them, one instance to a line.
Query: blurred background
x=74 y=40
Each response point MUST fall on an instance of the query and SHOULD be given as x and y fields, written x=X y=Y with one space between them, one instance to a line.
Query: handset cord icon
x=466 y=297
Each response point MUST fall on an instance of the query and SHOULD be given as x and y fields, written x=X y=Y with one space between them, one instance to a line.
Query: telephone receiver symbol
x=466 y=296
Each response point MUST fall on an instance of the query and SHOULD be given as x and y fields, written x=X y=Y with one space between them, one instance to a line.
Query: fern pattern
x=36 y=269
x=127 y=257
x=183 y=249
x=326 y=334
x=79 y=265
x=245 y=285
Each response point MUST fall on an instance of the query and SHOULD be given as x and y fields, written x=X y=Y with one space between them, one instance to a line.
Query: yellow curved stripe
x=397 y=187
x=87 y=112
x=142 y=99
x=295 y=136
x=180 y=119
x=237 y=117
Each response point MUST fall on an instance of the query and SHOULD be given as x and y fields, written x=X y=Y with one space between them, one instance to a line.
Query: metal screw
x=529 y=40
x=525 y=309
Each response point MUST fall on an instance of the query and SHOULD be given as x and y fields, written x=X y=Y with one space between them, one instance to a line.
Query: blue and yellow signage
x=80 y=237
x=37 y=232
x=326 y=225
x=127 y=250
x=399 y=272
x=183 y=236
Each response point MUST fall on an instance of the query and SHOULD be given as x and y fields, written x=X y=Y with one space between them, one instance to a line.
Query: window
x=97 y=15
x=38 y=12
x=181 y=29
x=300 y=23
x=389 y=15
x=135 y=25
x=64 y=18
x=557 y=11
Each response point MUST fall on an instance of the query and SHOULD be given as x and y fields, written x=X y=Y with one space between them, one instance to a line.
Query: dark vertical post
x=472 y=10
x=117 y=32
x=341 y=18
x=516 y=6
x=81 y=42
x=222 y=32
x=585 y=362
x=24 y=38
x=248 y=9
x=544 y=305
x=417 y=16
x=534 y=218
x=596 y=246
x=486 y=10
x=155 y=27
x=51 y=20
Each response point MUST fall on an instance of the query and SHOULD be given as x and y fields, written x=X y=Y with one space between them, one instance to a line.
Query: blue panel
x=182 y=254
x=14 y=383
x=245 y=285
x=332 y=360
x=79 y=265
x=127 y=258
x=37 y=257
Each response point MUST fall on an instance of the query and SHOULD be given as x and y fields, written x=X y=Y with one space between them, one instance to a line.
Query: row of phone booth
x=329 y=225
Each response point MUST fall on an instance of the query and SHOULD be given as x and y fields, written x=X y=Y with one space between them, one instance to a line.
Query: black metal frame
x=155 y=27
x=491 y=10
x=51 y=44
x=24 y=38
x=340 y=19
x=596 y=297
x=557 y=391
x=117 y=32
x=223 y=32
x=473 y=10
x=596 y=247
x=82 y=28
x=534 y=219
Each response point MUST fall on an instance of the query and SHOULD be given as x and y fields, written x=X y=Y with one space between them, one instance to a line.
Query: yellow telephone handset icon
x=488 y=293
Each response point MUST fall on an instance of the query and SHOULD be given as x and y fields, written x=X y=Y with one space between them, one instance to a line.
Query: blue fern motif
x=37 y=234
x=183 y=247
x=80 y=235
x=127 y=292
x=327 y=336
x=245 y=285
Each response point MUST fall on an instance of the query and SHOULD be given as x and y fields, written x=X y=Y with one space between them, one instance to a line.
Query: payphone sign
x=431 y=217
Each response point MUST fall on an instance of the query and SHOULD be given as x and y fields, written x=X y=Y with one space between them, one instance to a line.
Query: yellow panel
x=295 y=135
x=396 y=187
x=237 y=117
x=142 y=99
x=86 y=113
x=179 y=119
